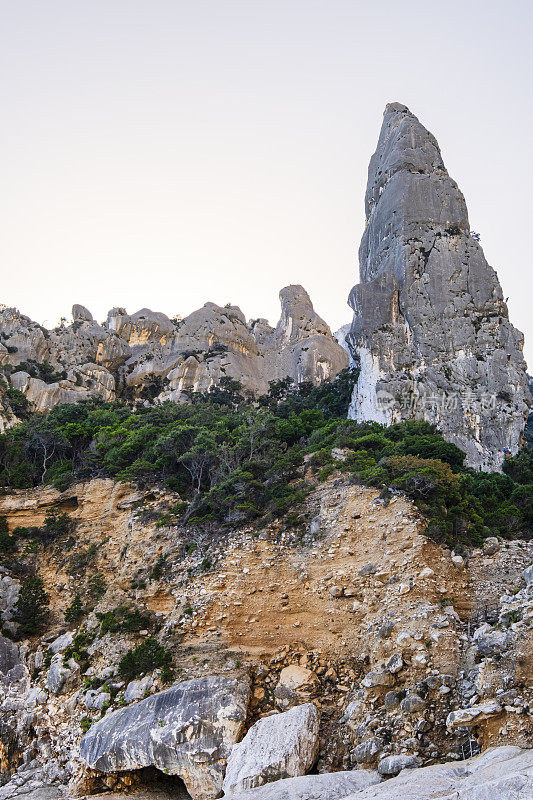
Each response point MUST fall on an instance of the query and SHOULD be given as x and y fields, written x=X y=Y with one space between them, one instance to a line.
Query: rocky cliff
x=431 y=329
x=146 y=355
x=356 y=641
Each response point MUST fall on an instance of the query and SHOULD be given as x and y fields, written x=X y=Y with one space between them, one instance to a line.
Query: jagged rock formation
x=431 y=329
x=146 y=355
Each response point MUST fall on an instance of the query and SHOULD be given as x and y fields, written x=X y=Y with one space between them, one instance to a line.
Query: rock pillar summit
x=431 y=329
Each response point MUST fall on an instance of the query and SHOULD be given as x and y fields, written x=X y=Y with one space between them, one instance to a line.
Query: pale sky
x=164 y=153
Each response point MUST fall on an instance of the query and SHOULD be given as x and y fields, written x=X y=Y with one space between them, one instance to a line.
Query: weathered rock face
x=148 y=355
x=431 y=329
x=505 y=773
x=281 y=746
x=188 y=730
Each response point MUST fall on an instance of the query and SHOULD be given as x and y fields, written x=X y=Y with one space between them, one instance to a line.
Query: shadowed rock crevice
x=147 y=783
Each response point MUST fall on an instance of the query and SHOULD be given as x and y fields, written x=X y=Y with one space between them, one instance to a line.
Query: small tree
x=31 y=611
x=74 y=612
x=7 y=542
x=56 y=522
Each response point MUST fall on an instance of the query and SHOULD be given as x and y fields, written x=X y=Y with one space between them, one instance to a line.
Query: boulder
x=136 y=690
x=279 y=746
x=188 y=730
x=11 y=664
x=295 y=685
x=61 y=643
x=491 y=642
x=81 y=314
x=9 y=593
x=366 y=752
x=412 y=703
x=491 y=545
x=395 y=663
x=466 y=717
x=328 y=786
x=393 y=765
x=375 y=678
x=57 y=674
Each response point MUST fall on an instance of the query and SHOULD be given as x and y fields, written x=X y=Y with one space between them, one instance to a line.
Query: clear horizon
x=167 y=154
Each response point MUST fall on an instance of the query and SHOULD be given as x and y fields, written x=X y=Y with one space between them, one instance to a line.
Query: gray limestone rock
x=466 y=717
x=81 y=314
x=148 y=355
x=366 y=752
x=9 y=593
x=188 y=730
x=279 y=746
x=505 y=773
x=328 y=786
x=136 y=690
x=412 y=703
x=392 y=765
x=57 y=674
x=89 y=380
x=431 y=330
x=381 y=677
x=61 y=643
x=11 y=664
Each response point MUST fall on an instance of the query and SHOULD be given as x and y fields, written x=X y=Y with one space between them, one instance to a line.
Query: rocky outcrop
x=188 y=730
x=330 y=785
x=280 y=746
x=505 y=773
x=431 y=330
x=146 y=355
x=90 y=380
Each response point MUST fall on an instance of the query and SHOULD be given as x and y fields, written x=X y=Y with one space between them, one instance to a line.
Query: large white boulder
x=280 y=746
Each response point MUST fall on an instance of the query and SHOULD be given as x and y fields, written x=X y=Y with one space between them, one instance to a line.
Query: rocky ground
x=407 y=650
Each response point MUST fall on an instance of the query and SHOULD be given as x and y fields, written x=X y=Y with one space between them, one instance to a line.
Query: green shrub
x=60 y=474
x=157 y=570
x=97 y=585
x=82 y=559
x=78 y=650
x=122 y=619
x=31 y=611
x=56 y=523
x=85 y=724
x=7 y=542
x=74 y=612
x=17 y=402
x=144 y=658
x=233 y=461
